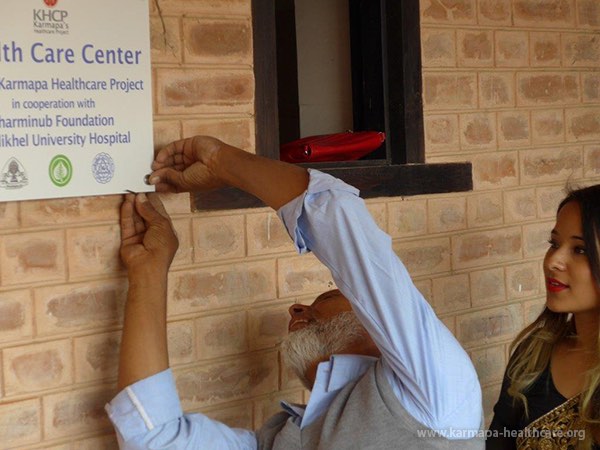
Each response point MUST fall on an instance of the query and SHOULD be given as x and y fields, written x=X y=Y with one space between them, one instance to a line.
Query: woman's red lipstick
x=553 y=285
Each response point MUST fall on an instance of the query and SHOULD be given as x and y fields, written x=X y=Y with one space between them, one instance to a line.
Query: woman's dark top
x=542 y=397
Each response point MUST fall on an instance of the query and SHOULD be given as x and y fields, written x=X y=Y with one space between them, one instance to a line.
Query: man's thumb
x=169 y=177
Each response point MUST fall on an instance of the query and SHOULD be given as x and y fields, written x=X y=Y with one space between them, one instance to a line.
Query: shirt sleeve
x=433 y=377
x=148 y=415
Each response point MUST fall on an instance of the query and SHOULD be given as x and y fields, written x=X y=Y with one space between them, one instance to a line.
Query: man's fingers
x=158 y=205
x=127 y=217
x=147 y=210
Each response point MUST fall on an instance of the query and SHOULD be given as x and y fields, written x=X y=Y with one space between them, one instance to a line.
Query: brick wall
x=513 y=87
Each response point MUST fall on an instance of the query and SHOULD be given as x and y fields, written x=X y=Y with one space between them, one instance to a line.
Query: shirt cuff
x=291 y=212
x=145 y=405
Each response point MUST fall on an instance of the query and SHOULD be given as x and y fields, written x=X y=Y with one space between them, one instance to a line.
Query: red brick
x=484 y=209
x=591 y=87
x=267 y=235
x=451 y=293
x=32 y=257
x=535 y=239
x=185 y=252
x=268 y=326
x=236 y=132
x=588 y=13
x=489 y=364
x=475 y=48
x=496 y=89
x=489 y=326
x=580 y=50
x=487 y=287
x=522 y=280
x=494 y=12
x=165 y=40
x=20 y=423
x=63 y=309
x=438 y=48
x=222 y=382
x=548 y=126
x=478 y=131
x=449 y=11
x=217 y=41
x=512 y=48
x=544 y=49
x=93 y=251
x=425 y=256
x=441 y=133
x=81 y=411
x=206 y=7
x=181 y=339
x=302 y=275
x=548 y=199
x=220 y=237
x=550 y=165
x=544 y=13
x=70 y=211
x=9 y=215
x=176 y=203
x=425 y=288
x=450 y=323
x=16 y=318
x=489 y=247
x=36 y=367
x=108 y=442
x=237 y=416
x=196 y=91
x=490 y=397
x=520 y=205
x=165 y=132
x=447 y=214
x=513 y=128
x=97 y=357
x=592 y=161
x=221 y=335
x=495 y=170
x=547 y=88
x=220 y=286
x=583 y=124
x=407 y=218
x=532 y=309
x=449 y=91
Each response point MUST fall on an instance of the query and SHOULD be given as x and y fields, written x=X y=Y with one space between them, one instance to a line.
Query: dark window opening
x=385 y=54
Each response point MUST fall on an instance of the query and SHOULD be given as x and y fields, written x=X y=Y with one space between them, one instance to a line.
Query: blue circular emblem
x=103 y=168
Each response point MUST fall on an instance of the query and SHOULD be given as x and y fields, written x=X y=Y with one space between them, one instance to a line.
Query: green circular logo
x=60 y=170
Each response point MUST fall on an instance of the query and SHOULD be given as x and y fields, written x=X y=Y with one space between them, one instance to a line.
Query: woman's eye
x=580 y=250
x=553 y=243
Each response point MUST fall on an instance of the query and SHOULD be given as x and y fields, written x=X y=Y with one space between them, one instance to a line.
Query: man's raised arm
x=203 y=163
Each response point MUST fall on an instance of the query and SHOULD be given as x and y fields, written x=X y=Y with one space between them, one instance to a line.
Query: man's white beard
x=319 y=340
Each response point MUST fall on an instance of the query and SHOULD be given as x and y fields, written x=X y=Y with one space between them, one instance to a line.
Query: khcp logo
x=51 y=3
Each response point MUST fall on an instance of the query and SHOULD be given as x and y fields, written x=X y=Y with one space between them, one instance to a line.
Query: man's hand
x=148 y=241
x=187 y=165
x=202 y=163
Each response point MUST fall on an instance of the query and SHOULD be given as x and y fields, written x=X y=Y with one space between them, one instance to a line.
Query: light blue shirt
x=429 y=372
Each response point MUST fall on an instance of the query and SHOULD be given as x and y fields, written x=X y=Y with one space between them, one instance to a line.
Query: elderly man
x=385 y=373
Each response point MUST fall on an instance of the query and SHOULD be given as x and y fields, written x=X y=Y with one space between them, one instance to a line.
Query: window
x=384 y=39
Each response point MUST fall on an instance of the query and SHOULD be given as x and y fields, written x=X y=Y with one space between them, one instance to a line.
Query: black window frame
x=403 y=172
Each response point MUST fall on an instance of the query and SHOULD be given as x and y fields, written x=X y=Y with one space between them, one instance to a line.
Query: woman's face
x=570 y=286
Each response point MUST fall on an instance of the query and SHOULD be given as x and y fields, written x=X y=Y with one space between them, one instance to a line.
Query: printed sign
x=75 y=98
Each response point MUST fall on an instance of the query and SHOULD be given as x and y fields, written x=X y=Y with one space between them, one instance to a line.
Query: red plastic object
x=346 y=146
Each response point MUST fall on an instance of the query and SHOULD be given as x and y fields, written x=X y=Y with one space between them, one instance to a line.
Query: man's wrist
x=147 y=274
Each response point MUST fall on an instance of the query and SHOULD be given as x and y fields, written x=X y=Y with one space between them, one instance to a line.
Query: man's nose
x=298 y=310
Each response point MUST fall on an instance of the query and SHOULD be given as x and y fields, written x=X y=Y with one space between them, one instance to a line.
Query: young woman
x=550 y=397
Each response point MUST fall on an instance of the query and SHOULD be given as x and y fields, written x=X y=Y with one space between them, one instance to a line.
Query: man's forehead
x=329 y=295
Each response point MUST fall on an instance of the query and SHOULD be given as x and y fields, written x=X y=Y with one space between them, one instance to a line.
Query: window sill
x=372 y=180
